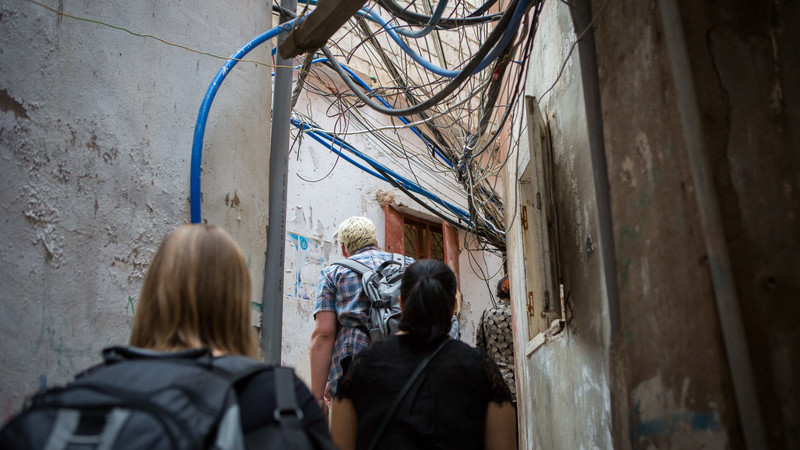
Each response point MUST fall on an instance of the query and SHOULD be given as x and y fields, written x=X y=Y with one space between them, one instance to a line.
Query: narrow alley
x=631 y=167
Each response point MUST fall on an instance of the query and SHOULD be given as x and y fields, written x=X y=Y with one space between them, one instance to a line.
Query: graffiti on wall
x=304 y=260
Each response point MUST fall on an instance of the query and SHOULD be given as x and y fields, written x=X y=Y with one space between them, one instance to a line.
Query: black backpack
x=148 y=400
x=381 y=286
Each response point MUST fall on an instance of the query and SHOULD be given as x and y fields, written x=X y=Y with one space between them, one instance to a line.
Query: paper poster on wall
x=305 y=258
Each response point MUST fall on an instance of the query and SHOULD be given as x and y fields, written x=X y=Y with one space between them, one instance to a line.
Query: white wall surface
x=95 y=140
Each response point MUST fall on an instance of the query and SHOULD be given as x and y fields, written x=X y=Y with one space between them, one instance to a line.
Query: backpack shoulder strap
x=287 y=412
x=288 y=416
x=238 y=367
x=284 y=391
x=396 y=259
x=354 y=265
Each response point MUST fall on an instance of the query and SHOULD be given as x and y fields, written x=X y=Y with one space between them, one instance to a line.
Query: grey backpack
x=140 y=399
x=382 y=288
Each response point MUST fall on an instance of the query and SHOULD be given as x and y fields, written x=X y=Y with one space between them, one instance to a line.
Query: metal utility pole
x=272 y=298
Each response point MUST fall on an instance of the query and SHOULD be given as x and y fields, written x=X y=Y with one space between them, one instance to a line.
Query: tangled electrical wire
x=460 y=108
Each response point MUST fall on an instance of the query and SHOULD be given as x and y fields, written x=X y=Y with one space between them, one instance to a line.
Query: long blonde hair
x=196 y=294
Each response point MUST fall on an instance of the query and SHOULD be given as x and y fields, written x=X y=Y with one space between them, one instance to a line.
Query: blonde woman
x=188 y=379
x=196 y=295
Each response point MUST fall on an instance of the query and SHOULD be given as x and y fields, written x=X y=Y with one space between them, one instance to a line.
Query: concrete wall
x=563 y=386
x=95 y=139
x=662 y=379
x=746 y=64
x=323 y=190
x=676 y=370
x=665 y=293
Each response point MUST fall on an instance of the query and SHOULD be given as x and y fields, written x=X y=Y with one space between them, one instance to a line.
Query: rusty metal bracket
x=524 y=218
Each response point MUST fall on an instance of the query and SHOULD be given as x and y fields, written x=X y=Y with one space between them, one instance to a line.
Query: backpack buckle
x=382 y=304
x=282 y=413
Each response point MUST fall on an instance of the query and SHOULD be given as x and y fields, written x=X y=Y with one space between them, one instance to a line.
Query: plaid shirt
x=339 y=291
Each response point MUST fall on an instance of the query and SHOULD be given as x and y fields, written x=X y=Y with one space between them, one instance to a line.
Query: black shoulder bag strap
x=403 y=392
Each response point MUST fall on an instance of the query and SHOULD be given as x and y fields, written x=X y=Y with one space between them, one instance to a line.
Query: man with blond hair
x=341 y=310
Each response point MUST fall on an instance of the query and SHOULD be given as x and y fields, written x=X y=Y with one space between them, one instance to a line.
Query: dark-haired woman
x=456 y=399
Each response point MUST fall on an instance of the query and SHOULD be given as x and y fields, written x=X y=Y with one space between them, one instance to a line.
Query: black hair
x=502 y=288
x=428 y=291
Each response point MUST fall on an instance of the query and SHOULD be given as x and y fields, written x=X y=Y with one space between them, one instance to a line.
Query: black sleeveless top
x=446 y=408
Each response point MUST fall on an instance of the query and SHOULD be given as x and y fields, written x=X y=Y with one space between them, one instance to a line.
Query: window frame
x=538 y=232
x=395 y=232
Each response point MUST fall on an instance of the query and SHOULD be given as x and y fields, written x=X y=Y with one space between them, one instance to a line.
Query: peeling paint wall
x=95 y=139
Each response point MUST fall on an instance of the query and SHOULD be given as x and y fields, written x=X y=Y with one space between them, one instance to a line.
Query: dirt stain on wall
x=9 y=104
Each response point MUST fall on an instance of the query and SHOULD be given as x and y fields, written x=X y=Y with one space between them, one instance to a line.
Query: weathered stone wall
x=662 y=379
x=96 y=130
x=673 y=362
x=746 y=65
x=665 y=293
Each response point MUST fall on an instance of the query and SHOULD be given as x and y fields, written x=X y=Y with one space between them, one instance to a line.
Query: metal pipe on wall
x=272 y=297
x=730 y=316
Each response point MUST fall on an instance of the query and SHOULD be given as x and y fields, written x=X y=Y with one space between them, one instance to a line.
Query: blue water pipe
x=332 y=143
x=202 y=116
x=329 y=142
x=413 y=128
